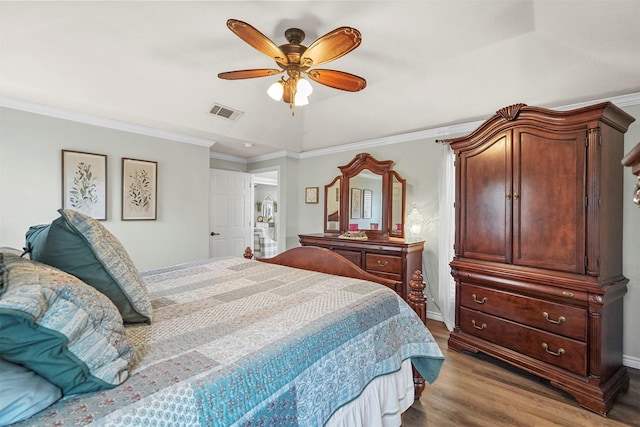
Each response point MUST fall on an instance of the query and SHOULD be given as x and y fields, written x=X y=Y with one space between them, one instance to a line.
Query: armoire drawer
x=551 y=348
x=557 y=318
x=383 y=263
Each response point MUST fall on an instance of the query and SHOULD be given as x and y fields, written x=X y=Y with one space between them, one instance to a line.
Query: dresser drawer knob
x=479 y=301
x=567 y=294
x=481 y=327
x=557 y=322
x=383 y=264
x=546 y=348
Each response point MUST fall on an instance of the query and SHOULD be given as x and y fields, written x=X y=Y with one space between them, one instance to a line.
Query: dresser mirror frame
x=390 y=195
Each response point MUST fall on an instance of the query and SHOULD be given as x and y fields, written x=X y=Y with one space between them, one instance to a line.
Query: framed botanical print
x=311 y=195
x=84 y=183
x=139 y=189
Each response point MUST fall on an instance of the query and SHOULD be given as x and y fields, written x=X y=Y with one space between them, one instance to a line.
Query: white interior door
x=229 y=213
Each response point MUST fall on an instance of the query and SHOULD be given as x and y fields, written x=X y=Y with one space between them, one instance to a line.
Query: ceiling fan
x=296 y=60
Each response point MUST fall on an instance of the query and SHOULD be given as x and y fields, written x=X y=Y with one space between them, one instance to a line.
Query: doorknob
x=213 y=233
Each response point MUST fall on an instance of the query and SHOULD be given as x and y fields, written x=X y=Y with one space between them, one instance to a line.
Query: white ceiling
x=427 y=63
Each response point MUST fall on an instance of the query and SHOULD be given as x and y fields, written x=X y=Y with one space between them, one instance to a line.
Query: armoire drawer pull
x=383 y=264
x=479 y=301
x=481 y=327
x=546 y=348
x=557 y=322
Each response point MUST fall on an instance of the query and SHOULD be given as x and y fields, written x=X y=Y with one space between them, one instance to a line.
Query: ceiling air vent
x=225 y=112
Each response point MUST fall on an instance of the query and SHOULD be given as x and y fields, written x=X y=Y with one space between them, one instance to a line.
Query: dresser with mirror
x=364 y=216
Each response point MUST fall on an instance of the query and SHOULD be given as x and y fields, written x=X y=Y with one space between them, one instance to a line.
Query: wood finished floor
x=476 y=390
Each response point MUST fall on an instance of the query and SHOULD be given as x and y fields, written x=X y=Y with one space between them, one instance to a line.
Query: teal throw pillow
x=83 y=247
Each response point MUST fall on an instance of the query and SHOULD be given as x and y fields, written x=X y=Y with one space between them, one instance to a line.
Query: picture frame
x=84 y=183
x=311 y=194
x=139 y=189
x=367 y=200
x=356 y=203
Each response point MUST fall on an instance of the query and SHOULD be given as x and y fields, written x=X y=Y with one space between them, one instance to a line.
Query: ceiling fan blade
x=257 y=40
x=249 y=74
x=338 y=79
x=331 y=46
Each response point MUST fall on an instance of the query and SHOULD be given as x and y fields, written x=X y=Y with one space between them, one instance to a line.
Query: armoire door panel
x=486 y=201
x=549 y=190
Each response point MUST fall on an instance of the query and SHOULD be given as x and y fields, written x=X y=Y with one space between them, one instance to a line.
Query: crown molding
x=447 y=131
x=437 y=132
x=89 y=119
x=228 y=157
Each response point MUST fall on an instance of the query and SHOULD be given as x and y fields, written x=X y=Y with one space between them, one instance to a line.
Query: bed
x=234 y=341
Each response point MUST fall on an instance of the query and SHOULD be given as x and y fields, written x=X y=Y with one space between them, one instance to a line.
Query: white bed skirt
x=381 y=404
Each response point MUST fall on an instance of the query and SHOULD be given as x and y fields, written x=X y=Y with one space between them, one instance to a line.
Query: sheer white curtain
x=446 y=285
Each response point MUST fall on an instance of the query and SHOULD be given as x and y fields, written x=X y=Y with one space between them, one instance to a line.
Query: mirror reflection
x=332 y=206
x=365 y=202
x=397 y=204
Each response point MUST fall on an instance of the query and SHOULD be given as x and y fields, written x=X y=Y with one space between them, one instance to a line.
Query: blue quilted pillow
x=81 y=246
x=61 y=328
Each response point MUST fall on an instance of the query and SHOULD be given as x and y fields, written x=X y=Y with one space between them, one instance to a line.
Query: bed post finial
x=416 y=299
x=248 y=253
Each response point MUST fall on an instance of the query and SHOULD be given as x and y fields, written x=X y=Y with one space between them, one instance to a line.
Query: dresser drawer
x=353 y=256
x=376 y=263
x=557 y=350
x=557 y=318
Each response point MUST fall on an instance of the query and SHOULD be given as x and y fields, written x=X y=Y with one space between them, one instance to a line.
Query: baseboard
x=631 y=362
x=434 y=315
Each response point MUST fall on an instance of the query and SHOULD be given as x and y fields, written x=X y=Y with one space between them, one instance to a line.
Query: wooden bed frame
x=323 y=260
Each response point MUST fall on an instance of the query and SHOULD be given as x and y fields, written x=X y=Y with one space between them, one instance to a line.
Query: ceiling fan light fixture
x=294 y=59
x=300 y=100
x=276 y=90
x=303 y=87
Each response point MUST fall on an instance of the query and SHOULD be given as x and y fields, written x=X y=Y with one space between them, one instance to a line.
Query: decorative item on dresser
x=538 y=246
x=375 y=243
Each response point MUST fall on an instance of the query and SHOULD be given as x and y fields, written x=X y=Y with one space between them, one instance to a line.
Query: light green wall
x=30 y=185
x=631 y=247
x=227 y=165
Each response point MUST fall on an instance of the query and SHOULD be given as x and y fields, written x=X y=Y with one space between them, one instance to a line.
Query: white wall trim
x=89 y=119
x=631 y=362
x=228 y=157
x=438 y=132
x=262 y=157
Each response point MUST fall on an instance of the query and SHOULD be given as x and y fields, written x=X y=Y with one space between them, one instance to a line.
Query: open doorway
x=267 y=213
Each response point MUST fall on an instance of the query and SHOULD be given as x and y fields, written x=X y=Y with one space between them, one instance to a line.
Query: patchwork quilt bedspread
x=240 y=342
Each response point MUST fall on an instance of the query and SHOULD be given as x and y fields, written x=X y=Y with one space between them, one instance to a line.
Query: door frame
x=280 y=219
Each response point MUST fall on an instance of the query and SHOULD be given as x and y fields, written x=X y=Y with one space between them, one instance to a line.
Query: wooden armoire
x=538 y=246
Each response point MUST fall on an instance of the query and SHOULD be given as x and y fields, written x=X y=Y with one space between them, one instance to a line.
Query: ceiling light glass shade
x=276 y=90
x=300 y=100
x=304 y=87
